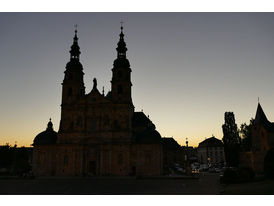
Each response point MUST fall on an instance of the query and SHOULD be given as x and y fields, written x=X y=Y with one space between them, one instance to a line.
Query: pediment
x=96 y=97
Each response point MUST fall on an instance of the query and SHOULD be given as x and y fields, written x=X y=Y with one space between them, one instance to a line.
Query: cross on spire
x=121 y=25
x=75 y=27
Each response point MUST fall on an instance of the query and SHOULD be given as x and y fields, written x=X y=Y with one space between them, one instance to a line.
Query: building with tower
x=98 y=134
x=261 y=155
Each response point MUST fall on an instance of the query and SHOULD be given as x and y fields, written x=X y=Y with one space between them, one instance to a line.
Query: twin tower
x=99 y=135
x=95 y=115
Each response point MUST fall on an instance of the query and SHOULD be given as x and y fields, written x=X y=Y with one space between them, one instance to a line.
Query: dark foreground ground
x=207 y=184
x=262 y=187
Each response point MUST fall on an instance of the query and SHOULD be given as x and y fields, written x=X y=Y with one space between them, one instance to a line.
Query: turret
x=121 y=80
x=73 y=84
x=73 y=89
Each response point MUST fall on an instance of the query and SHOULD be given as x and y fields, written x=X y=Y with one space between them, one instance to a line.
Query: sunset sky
x=188 y=69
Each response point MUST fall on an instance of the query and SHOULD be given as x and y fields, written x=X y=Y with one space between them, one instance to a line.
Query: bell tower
x=73 y=88
x=73 y=84
x=121 y=80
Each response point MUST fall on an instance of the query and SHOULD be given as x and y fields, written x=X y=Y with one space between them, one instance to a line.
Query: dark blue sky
x=187 y=68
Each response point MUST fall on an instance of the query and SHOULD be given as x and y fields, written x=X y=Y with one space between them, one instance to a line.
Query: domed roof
x=170 y=143
x=149 y=135
x=49 y=136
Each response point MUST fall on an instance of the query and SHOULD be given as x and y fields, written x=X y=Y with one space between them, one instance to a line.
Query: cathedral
x=99 y=135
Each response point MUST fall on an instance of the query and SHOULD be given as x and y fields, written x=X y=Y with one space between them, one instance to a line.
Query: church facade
x=98 y=134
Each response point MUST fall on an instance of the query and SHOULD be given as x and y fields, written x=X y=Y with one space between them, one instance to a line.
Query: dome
x=139 y=119
x=149 y=136
x=49 y=136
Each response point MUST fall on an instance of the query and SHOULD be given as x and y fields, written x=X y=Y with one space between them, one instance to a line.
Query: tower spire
x=121 y=49
x=75 y=49
x=121 y=83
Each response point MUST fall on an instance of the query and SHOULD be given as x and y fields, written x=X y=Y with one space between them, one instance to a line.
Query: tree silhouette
x=231 y=140
x=245 y=132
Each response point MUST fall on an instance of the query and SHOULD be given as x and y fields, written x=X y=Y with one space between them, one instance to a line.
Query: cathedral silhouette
x=98 y=134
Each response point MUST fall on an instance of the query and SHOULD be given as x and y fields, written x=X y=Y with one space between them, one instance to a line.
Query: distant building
x=15 y=160
x=191 y=153
x=98 y=134
x=211 y=152
x=172 y=152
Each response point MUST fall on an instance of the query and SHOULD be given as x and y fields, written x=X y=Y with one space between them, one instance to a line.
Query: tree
x=231 y=140
x=245 y=132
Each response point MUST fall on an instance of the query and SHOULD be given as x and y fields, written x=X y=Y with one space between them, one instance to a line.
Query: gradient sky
x=187 y=68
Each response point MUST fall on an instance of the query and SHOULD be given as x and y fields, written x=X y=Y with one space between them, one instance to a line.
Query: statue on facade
x=94 y=83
